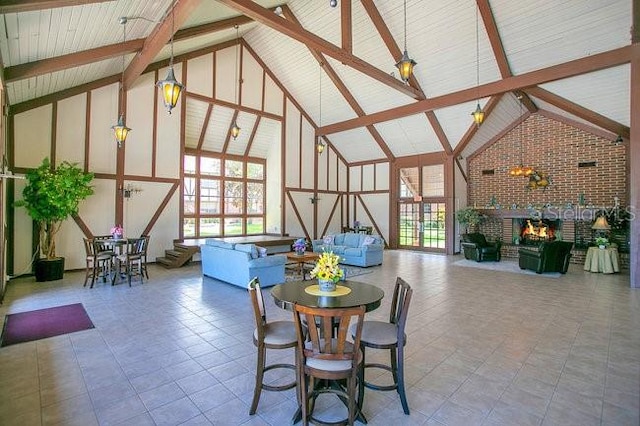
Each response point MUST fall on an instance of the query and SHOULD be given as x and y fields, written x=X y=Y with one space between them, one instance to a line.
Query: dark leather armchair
x=476 y=247
x=551 y=257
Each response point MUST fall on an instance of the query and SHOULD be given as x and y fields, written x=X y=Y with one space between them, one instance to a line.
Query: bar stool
x=388 y=335
x=273 y=335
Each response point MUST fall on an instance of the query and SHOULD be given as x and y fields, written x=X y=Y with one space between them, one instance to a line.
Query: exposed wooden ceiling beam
x=17 y=6
x=342 y=88
x=264 y=16
x=396 y=53
x=211 y=27
x=580 y=111
x=499 y=54
x=158 y=39
x=584 y=65
x=59 y=63
x=345 y=26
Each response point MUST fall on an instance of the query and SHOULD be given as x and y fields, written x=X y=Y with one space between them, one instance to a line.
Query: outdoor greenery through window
x=222 y=196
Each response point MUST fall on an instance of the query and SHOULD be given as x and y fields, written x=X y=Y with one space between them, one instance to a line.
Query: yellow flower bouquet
x=327 y=269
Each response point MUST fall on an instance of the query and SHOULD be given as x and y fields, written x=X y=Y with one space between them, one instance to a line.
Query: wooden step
x=178 y=256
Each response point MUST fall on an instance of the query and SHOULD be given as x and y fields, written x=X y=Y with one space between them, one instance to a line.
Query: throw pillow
x=328 y=240
x=368 y=240
x=262 y=252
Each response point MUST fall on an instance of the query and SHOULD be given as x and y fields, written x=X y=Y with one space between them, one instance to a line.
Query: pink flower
x=117 y=230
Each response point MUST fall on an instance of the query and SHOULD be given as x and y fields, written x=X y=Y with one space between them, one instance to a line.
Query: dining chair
x=388 y=335
x=147 y=238
x=103 y=246
x=328 y=359
x=130 y=261
x=269 y=335
x=98 y=263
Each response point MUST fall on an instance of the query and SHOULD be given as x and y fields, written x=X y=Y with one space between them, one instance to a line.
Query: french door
x=421 y=209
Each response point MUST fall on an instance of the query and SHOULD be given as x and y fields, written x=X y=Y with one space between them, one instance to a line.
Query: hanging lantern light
x=478 y=114
x=235 y=130
x=120 y=130
x=170 y=87
x=321 y=145
x=405 y=64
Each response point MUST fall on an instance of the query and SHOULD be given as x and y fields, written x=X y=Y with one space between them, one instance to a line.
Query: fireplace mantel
x=575 y=213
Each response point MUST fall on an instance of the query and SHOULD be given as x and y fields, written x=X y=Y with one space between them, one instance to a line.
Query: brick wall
x=555 y=149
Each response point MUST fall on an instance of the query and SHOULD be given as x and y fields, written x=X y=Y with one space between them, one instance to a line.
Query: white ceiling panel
x=608 y=92
x=551 y=108
x=540 y=33
x=268 y=134
x=357 y=145
x=319 y=18
x=217 y=131
x=409 y=136
x=455 y=120
x=214 y=11
x=196 y=113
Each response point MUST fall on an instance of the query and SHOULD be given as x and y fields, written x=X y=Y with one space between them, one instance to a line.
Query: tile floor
x=485 y=348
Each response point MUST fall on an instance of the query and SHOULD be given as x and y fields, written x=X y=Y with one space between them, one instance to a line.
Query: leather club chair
x=551 y=257
x=476 y=247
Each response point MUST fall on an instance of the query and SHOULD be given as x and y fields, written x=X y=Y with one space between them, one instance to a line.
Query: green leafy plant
x=602 y=241
x=51 y=196
x=468 y=217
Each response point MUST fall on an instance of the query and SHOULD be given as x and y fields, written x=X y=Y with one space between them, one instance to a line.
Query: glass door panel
x=433 y=225
x=409 y=226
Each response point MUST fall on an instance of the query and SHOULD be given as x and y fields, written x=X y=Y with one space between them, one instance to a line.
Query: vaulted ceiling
x=568 y=59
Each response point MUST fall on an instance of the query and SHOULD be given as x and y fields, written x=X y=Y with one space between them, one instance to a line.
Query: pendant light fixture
x=521 y=170
x=170 y=87
x=235 y=129
x=478 y=114
x=320 y=144
x=406 y=64
x=121 y=130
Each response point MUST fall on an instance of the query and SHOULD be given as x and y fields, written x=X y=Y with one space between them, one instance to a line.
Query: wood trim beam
x=159 y=37
x=252 y=137
x=233 y=106
x=473 y=128
x=205 y=124
x=83 y=226
x=345 y=26
x=484 y=8
x=588 y=128
x=297 y=213
x=17 y=6
x=160 y=208
x=373 y=221
x=584 y=65
x=71 y=60
x=333 y=211
x=226 y=141
x=342 y=88
x=461 y=169
x=580 y=111
x=288 y=28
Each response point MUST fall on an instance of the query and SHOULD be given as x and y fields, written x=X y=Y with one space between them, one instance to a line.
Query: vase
x=601 y=246
x=300 y=252
x=327 y=285
x=117 y=236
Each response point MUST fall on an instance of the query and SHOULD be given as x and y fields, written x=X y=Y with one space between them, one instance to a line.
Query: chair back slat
x=88 y=247
x=257 y=301
x=400 y=306
x=322 y=344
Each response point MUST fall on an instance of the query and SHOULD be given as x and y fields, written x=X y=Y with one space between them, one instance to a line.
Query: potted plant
x=468 y=217
x=328 y=271
x=50 y=197
x=602 y=242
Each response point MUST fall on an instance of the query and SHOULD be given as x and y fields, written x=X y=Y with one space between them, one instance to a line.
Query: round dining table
x=293 y=292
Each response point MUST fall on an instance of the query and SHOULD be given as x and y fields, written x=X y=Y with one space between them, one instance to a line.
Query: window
x=222 y=196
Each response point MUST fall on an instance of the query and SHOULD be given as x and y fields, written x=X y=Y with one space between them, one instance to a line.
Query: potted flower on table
x=117 y=232
x=299 y=246
x=328 y=271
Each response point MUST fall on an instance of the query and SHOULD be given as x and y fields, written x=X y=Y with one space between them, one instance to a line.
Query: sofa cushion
x=337 y=249
x=221 y=244
x=338 y=239
x=368 y=240
x=352 y=240
x=328 y=240
x=248 y=248
x=352 y=251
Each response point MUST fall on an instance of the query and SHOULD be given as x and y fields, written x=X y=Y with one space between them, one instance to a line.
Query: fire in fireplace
x=535 y=231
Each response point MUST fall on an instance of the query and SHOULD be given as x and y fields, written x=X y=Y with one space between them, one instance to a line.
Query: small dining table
x=288 y=294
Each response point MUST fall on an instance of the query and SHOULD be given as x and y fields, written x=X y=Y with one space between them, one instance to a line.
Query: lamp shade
x=120 y=131
x=601 y=224
x=405 y=66
x=170 y=89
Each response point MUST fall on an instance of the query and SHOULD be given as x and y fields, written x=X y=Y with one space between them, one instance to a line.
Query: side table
x=603 y=260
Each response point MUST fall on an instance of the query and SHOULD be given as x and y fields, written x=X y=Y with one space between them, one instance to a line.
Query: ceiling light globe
x=333 y=3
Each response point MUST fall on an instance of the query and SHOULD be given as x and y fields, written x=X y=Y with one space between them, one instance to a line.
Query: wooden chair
x=102 y=246
x=273 y=335
x=130 y=262
x=144 y=255
x=328 y=358
x=388 y=335
x=98 y=263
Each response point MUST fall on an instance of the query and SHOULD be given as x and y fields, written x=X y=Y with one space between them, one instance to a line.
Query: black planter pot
x=49 y=269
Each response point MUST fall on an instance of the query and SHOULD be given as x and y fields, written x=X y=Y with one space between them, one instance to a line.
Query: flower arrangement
x=356 y=224
x=327 y=268
x=117 y=230
x=299 y=245
x=602 y=241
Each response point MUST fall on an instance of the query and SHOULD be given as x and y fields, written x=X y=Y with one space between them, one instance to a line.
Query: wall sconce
x=314 y=200
x=129 y=190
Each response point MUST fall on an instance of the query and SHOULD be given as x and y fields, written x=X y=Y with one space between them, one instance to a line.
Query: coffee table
x=301 y=260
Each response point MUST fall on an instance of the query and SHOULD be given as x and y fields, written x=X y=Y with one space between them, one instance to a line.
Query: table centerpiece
x=328 y=271
x=299 y=246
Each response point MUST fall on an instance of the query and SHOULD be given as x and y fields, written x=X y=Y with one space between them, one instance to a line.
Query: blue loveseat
x=352 y=249
x=238 y=263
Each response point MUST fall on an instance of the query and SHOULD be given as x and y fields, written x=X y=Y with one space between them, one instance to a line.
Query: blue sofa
x=237 y=264
x=352 y=250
